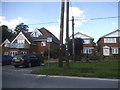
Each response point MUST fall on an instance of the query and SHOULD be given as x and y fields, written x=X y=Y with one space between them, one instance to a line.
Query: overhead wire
x=98 y=18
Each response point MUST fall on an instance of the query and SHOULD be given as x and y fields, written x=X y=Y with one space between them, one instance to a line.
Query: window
x=87 y=51
x=21 y=41
x=23 y=52
x=13 y=53
x=43 y=43
x=86 y=41
x=36 y=34
x=6 y=53
x=6 y=44
x=109 y=40
x=114 y=50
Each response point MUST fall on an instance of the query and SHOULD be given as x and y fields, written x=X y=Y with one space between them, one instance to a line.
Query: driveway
x=21 y=78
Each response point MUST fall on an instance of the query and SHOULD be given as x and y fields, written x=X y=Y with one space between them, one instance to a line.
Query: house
x=109 y=44
x=29 y=43
x=88 y=45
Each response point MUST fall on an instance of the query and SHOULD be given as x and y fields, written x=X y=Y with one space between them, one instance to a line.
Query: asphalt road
x=21 y=78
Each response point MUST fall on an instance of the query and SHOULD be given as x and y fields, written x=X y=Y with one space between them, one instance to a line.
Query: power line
x=102 y=18
x=43 y=23
x=97 y=18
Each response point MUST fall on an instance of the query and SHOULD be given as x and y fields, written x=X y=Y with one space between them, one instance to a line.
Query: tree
x=78 y=42
x=21 y=27
x=6 y=32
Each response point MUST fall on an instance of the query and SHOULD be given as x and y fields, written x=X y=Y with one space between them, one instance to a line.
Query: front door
x=106 y=51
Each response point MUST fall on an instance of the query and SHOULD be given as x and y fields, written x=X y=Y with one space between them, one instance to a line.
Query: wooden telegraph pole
x=67 y=34
x=73 y=41
x=61 y=35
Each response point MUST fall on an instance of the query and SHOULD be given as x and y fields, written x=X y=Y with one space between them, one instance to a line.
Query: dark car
x=25 y=60
x=6 y=60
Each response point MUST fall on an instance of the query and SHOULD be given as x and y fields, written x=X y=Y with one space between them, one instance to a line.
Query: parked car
x=6 y=60
x=25 y=60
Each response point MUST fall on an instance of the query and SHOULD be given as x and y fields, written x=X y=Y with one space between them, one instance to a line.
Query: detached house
x=29 y=42
x=109 y=44
x=88 y=46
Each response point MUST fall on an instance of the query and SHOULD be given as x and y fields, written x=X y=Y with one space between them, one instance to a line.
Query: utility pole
x=73 y=41
x=67 y=33
x=61 y=35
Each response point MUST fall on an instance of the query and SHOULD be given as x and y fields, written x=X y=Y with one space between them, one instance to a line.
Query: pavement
x=21 y=78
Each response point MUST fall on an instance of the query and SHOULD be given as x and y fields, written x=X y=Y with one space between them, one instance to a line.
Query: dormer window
x=36 y=33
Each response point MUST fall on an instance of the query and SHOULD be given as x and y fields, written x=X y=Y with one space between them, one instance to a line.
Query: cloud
x=79 y=16
x=73 y=11
x=12 y=23
x=114 y=23
x=54 y=30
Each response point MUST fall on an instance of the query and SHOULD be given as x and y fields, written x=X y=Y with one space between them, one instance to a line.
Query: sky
x=47 y=14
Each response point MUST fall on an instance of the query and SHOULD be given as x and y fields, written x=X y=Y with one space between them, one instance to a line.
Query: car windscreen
x=18 y=57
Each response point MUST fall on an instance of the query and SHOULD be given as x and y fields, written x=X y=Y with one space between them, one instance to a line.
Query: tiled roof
x=109 y=34
x=82 y=35
x=45 y=34
x=27 y=35
x=113 y=32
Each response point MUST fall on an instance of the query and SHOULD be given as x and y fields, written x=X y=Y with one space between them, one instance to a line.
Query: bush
x=42 y=58
x=112 y=57
x=78 y=57
x=96 y=57
x=54 y=53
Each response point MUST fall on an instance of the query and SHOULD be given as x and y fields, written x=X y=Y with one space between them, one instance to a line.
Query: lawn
x=102 y=69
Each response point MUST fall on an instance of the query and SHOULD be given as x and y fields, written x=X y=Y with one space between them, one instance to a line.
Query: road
x=21 y=78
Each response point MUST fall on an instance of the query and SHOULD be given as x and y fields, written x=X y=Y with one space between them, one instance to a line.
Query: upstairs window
x=6 y=44
x=43 y=43
x=109 y=40
x=21 y=41
x=86 y=42
x=35 y=34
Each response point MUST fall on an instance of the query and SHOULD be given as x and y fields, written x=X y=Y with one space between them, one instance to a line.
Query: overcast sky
x=47 y=14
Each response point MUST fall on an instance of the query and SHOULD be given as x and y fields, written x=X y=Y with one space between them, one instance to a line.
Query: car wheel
x=29 y=65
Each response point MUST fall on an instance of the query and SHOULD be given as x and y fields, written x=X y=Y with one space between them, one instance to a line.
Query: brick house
x=109 y=44
x=29 y=43
x=88 y=45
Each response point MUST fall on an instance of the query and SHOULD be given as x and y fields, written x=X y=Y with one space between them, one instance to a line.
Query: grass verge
x=95 y=69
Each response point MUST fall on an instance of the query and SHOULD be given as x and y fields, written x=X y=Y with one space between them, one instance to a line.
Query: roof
x=45 y=34
x=115 y=33
x=24 y=35
x=6 y=41
x=27 y=35
x=81 y=35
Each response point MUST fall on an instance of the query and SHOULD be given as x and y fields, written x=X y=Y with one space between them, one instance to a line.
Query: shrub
x=112 y=57
x=42 y=58
x=78 y=57
x=54 y=53
x=96 y=57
